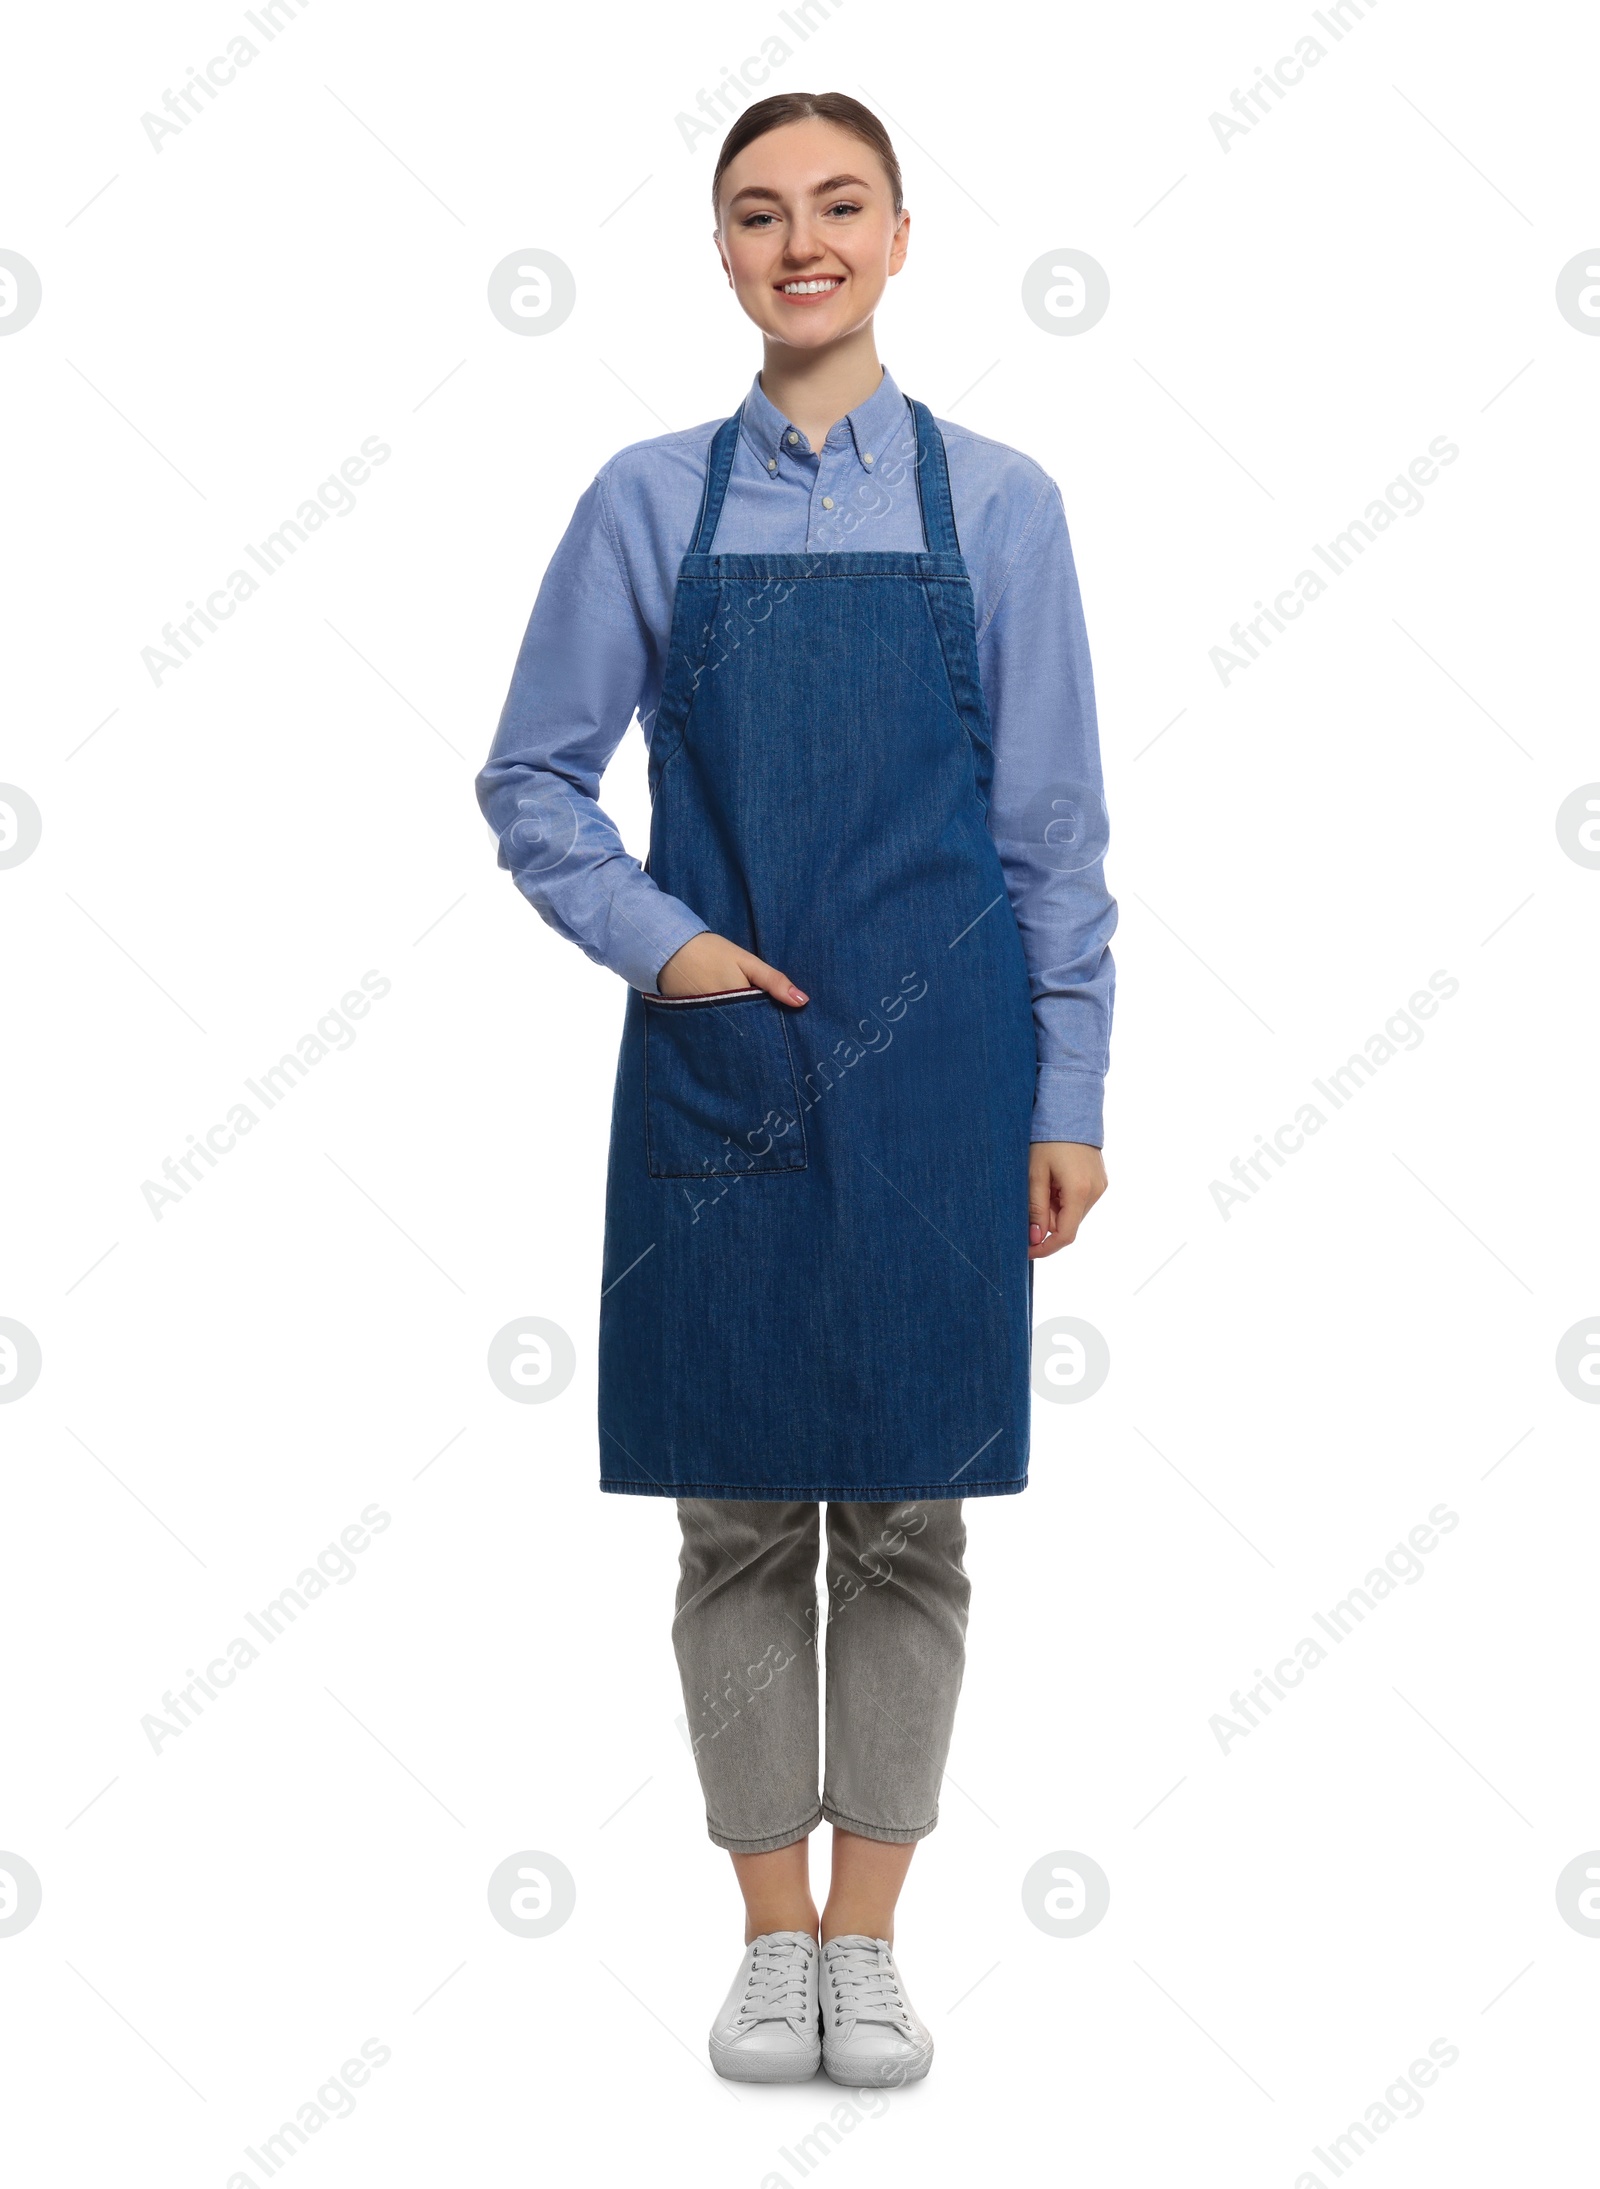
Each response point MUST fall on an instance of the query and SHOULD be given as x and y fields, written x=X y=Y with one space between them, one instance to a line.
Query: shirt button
x=867 y=458
x=793 y=438
x=772 y=463
x=827 y=501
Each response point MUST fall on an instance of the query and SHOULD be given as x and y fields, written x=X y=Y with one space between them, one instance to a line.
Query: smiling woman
x=867 y=700
x=830 y=285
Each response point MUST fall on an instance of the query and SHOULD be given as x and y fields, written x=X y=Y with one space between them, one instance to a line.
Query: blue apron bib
x=816 y=1281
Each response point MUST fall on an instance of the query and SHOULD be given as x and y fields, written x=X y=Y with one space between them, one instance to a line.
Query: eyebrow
x=820 y=190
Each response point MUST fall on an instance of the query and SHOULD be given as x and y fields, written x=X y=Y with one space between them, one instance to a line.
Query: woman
x=860 y=1084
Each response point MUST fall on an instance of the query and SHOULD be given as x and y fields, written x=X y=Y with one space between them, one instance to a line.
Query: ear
x=900 y=242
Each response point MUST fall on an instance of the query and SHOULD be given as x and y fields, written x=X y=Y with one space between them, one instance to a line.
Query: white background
x=224 y=855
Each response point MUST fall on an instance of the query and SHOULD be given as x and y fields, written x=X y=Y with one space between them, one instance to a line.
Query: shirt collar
x=871 y=428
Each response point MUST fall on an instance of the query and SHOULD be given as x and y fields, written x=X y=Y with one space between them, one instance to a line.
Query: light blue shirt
x=595 y=654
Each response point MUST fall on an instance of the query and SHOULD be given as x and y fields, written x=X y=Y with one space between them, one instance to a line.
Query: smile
x=820 y=287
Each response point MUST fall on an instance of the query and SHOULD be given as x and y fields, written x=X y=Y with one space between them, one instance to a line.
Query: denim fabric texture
x=598 y=645
x=816 y=1282
x=745 y=1634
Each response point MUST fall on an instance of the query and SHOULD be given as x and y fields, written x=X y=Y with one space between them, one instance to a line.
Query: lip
x=819 y=296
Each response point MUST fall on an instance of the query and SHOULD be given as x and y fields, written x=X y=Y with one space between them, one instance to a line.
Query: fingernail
x=1035 y=1234
x=795 y=996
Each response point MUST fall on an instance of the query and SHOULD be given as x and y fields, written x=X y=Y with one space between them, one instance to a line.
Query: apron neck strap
x=719 y=465
x=933 y=484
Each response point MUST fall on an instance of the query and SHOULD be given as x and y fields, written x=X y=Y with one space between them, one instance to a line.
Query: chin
x=810 y=337
x=809 y=331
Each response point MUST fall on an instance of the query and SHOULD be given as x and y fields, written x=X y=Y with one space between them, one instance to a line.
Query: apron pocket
x=719 y=1086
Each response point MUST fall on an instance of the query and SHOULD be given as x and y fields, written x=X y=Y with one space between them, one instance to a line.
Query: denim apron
x=816 y=1281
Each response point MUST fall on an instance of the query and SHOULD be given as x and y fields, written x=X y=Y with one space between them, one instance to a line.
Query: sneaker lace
x=865 y=1986
x=775 y=1990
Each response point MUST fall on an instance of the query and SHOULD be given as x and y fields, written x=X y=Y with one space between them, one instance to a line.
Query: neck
x=816 y=388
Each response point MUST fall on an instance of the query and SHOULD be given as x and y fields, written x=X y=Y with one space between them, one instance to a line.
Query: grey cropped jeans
x=746 y=1632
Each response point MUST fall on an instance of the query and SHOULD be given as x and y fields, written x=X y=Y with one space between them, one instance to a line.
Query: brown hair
x=798 y=106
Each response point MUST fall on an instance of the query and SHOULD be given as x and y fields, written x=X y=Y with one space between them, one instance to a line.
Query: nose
x=805 y=243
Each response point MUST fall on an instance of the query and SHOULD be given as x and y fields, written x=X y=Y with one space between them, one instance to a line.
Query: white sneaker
x=871 y=2033
x=767 y=2030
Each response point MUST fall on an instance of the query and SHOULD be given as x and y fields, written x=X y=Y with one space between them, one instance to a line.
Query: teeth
x=810 y=288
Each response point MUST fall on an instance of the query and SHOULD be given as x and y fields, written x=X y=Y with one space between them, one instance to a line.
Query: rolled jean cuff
x=890 y=1834
x=766 y=1846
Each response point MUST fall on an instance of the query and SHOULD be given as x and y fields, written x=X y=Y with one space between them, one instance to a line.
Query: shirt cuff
x=1068 y=1104
x=669 y=926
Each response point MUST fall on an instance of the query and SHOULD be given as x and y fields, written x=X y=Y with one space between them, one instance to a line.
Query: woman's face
x=808 y=232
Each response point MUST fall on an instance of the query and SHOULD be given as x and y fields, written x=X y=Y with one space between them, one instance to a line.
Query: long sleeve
x=580 y=674
x=1048 y=817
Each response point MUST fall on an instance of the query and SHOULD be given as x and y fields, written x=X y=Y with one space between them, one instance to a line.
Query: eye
x=755 y=220
x=844 y=205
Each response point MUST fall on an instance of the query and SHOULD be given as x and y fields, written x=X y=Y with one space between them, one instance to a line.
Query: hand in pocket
x=709 y=965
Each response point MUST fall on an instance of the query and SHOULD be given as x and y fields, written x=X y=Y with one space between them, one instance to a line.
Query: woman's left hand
x=1065 y=1179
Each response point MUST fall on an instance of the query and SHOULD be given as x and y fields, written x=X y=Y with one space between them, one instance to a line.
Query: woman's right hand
x=708 y=965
